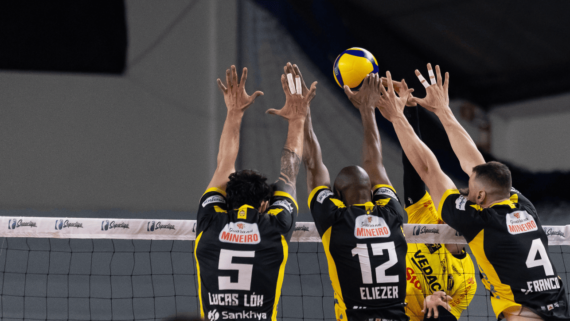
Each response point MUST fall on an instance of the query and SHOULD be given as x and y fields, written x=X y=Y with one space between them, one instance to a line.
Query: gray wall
x=143 y=141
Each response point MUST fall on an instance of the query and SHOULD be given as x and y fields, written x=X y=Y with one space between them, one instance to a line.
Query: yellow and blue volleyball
x=352 y=65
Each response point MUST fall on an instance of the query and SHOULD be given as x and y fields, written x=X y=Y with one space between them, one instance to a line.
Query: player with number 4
x=501 y=226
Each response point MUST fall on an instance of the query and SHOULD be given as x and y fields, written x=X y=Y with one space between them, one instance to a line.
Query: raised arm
x=364 y=100
x=297 y=100
x=420 y=156
x=317 y=172
x=237 y=101
x=437 y=101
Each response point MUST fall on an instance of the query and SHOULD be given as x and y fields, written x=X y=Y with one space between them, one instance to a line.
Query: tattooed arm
x=295 y=111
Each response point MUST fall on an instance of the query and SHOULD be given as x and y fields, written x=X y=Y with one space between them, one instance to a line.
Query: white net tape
x=185 y=230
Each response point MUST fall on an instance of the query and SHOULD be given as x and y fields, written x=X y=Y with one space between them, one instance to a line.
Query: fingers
x=390 y=83
x=435 y=313
x=284 y=84
x=222 y=87
x=228 y=78
x=291 y=83
x=446 y=83
x=298 y=85
x=430 y=74
x=234 y=76
x=438 y=73
x=312 y=91
x=256 y=94
x=422 y=79
x=347 y=91
x=272 y=111
x=383 y=90
x=243 y=77
x=298 y=72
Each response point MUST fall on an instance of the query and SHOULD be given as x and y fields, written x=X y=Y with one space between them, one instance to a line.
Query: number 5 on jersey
x=365 y=266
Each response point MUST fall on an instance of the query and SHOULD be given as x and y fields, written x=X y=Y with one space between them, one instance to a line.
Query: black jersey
x=241 y=256
x=511 y=249
x=366 y=253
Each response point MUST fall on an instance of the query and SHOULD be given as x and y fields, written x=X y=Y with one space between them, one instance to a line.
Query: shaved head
x=352 y=185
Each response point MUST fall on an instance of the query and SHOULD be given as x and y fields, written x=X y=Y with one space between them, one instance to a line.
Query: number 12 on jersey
x=366 y=267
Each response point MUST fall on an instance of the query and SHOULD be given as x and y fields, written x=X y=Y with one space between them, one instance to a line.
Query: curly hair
x=247 y=187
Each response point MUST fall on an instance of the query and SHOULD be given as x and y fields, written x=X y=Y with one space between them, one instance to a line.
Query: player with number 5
x=244 y=225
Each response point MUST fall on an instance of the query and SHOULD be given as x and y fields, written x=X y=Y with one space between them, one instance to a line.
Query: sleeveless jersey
x=241 y=255
x=511 y=249
x=431 y=268
x=366 y=253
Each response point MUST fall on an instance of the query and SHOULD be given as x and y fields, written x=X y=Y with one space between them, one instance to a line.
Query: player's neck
x=496 y=201
x=358 y=198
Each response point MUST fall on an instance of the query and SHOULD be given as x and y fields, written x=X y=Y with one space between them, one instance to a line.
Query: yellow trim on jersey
x=333 y=275
x=514 y=198
x=198 y=272
x=383 y=201
x=285 y=194
x=337 y=202
x=368 y=206
x=419 y=213
x=280 y=278
x=215 y=189
x=314 y=192
x=274 y=211
x=219 y=209
x=506 y=202
x=383 y=185
x=503 y=296
x=442 y=200
x=477 y=207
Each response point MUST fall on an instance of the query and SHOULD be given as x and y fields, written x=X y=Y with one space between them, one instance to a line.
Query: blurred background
x=111 y=109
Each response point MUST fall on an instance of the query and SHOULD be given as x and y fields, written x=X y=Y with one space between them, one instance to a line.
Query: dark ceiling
x=496 y=51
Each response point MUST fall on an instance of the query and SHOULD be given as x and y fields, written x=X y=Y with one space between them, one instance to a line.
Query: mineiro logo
x=15 y=223
x=61 y=224
x=152 y=226
x=109 y=225
x=240 y=233
x=520 y=222
x=369 y=226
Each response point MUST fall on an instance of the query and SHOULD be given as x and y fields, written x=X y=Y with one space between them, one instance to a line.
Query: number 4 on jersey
x=365 y=266
x=531 y=261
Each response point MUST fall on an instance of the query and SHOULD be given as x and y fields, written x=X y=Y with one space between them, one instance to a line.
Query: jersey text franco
x=241 y=256
x=366 y=252
x=511 y=249
x=431 y=268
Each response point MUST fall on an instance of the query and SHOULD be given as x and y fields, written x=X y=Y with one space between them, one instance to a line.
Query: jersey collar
x=368 y=207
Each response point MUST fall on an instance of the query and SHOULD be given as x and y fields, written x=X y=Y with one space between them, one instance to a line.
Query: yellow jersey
x=431 y=268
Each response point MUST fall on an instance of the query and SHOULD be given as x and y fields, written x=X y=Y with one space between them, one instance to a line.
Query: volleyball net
x=134 y=269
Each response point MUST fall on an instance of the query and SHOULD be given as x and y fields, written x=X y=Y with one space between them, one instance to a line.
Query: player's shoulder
x=213 y=196
x=321 y=195
x=386 y=199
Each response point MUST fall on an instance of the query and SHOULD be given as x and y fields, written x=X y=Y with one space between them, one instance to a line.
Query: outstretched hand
x=391 y=105
x=397 y=88
x=368 y=94
x=431 y=302
x=437 y=95
x=234 y=94
x=297 y=96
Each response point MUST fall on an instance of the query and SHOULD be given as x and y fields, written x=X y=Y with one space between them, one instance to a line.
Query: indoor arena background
x=139 y=138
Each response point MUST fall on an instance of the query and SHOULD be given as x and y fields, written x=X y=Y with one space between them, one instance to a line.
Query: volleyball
x=352 y=65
